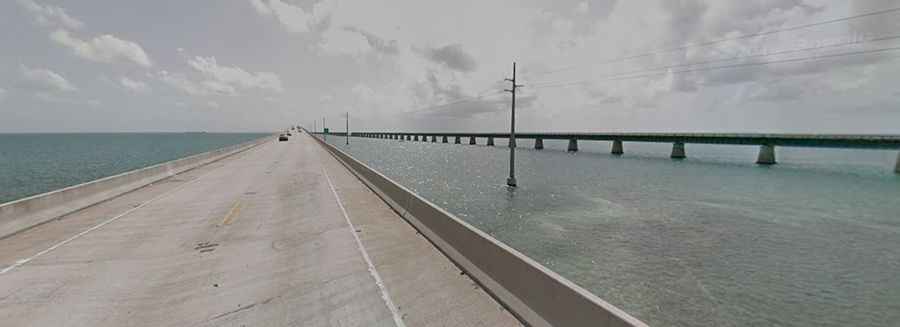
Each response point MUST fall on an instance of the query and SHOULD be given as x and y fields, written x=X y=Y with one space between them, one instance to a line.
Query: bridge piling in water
x=897 y=165
x=490 y=141
x=433 y=138
x=617 y=148
x=766 y=155
x=415 y=138
x=444 y=139
x=472 y=140
x=538 y=144
x=678 y=150
x=456 y=141
x=573 y=145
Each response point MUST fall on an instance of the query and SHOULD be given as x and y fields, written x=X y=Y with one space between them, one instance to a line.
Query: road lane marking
x=235 y=210
x=22 y=262
x=398 y=320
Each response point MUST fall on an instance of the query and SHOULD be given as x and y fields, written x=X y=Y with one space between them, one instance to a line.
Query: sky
x=423 y=65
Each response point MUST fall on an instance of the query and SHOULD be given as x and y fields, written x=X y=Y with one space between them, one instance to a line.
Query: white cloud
x=213 y=104
x=134 y=86
x=50 y=15
x=294 y=18
x=181 y=82
x=105 y=48
x=45 y=80
x=228 y=78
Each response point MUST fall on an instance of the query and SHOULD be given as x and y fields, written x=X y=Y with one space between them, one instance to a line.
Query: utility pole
x=315 y=126
x=348 y=128
x=324 y=130
x=511 y=181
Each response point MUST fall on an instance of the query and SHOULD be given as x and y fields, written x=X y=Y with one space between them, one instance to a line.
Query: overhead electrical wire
x=739 y=37
x=706 y=62
x=743 y=65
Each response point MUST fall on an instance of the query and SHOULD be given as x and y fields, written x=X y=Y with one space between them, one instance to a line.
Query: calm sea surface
x=714 y=240
x=37 y=163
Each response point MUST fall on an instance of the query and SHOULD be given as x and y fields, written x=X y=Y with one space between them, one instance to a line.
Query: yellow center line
x=235 y=210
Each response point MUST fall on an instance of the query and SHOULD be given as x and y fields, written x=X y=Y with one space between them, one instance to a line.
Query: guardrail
x=22 y=214
x=766 y=142
x=535 y=294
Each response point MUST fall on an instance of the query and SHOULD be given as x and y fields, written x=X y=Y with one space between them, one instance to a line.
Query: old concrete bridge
x=766 y=142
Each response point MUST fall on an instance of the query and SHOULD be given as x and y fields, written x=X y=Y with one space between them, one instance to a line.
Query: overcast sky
x=254 y=65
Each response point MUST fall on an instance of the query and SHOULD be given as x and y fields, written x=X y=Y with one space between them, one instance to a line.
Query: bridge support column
x=472 y=140
x=766 y=155
x=573 y=145
x=538 y=144
x=444 y=139
x=617 y=148
x=433 y=138
x=897 y=165
x=490 y=141
x=456 y=140
x=678 y=150
x=415 y=138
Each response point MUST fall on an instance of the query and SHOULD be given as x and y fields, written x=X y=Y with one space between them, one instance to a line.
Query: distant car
x=282 y=138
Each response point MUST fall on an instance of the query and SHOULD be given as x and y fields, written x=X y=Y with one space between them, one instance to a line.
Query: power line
x=698 y=63
x=480 y=95
x=740 y=37
x=743 y=65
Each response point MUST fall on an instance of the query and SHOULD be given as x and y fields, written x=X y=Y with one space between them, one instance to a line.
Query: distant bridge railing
x=766 y=142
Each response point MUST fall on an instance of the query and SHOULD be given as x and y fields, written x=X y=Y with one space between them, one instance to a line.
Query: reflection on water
x=713 y=240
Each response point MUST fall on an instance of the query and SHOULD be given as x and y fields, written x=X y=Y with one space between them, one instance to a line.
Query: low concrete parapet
x=533 y=293
x=25 y=213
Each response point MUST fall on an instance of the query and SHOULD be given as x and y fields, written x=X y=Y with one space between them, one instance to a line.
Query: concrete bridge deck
x=279 y=235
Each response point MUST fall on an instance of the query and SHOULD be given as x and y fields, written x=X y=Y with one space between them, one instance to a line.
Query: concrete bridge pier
x=538 y=144
x=444 y=139
x=490 y=141
x=433 y=138
x=678 y=150
x=617 y=148
x=897 y=165
x=573 y=145
x=415 y=138
x=456 y=141
x=766 y=155
x=472 y=140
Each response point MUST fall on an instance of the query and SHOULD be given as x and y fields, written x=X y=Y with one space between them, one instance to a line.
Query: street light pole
x=348 y=128
x=511 y=181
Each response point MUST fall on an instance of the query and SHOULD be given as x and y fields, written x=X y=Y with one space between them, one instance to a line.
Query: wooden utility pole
x=511 y=181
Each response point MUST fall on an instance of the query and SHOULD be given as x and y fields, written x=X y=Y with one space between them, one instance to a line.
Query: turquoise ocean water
x=37 y=163
x=714 y=240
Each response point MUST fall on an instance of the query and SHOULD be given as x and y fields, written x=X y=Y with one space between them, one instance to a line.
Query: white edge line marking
x=22 y=262
x=372 y=271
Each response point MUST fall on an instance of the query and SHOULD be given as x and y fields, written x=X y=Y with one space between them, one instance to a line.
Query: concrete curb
x=536 y=295
x=22 y=214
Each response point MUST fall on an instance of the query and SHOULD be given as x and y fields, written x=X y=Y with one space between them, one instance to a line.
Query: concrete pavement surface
x=280 y=235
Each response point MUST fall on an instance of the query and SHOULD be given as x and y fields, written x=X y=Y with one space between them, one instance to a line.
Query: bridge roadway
x=280 y=235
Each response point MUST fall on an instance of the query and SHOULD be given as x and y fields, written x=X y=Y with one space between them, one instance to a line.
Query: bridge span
x=766 y=142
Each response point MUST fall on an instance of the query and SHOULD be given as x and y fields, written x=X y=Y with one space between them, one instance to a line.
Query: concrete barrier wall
x=25 y=213
x=535 y=294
